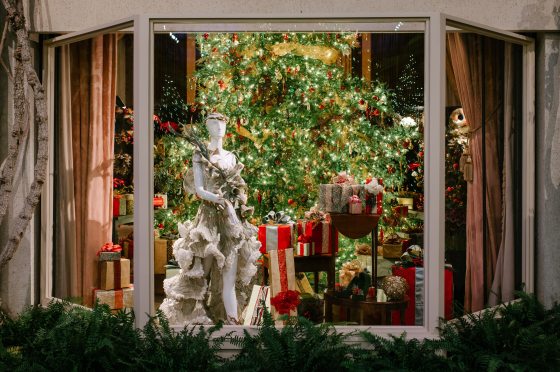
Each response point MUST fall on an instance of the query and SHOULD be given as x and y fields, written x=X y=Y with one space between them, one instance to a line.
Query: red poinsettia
x=285 y=301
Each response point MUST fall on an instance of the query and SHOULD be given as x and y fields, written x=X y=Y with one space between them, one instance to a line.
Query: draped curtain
x=481 y=89
x=85 y=162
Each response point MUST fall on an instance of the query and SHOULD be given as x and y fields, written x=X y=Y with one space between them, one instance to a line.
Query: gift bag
x=259 y=301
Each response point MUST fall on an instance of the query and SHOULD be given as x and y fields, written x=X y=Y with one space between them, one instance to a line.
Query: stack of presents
x=115 y=287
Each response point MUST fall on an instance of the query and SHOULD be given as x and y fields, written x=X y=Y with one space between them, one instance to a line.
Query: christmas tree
x=297 y=116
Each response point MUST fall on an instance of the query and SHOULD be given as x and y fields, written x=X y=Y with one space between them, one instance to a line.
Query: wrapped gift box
x=171 y=271
x=305 y=249
x=414 y=314
x=116 y=299
x=320 y=234
x=109 y=256
x=119 y=206
x=114 y=274
x=129 y=203
x=162 y=254
x=333 y=197
x=255 y=310
x=282 y=273
x=276 y=237
x=303 y=285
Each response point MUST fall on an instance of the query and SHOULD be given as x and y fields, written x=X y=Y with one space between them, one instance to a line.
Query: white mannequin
x=216 y=124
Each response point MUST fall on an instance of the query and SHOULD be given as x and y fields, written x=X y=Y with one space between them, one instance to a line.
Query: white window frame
x=434 y=136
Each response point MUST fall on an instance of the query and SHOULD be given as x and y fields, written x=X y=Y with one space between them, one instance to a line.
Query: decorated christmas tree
x=297 y=117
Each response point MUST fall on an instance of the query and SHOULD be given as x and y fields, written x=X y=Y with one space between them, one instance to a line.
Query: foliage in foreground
x=522 y=336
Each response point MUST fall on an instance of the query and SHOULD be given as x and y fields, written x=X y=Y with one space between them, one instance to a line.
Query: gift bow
x=304 y=238
x=354 y=199
x=109 y=247
x=278 y=218
x=316 y=215
x=343 y=178
x=372 y=186
x=392 y=239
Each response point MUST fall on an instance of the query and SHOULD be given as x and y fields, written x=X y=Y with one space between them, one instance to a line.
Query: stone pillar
x=547 y=255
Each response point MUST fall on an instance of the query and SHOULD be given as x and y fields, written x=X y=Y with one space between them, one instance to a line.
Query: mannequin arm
x=198 y=174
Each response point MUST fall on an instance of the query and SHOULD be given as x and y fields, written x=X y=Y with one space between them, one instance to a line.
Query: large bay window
x=435 y=112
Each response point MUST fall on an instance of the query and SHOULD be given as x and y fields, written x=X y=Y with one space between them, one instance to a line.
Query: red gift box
x=275 y=237
x=320 y=234
x=414 y=276
x=119 y=206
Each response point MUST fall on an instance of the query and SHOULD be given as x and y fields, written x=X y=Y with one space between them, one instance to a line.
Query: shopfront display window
x=299 y=163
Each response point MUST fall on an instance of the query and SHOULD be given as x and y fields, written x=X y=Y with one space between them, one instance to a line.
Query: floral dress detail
x=191 y=298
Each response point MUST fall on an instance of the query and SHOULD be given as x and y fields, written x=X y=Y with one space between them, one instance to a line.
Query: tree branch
x=21 y=221
x=17 y=135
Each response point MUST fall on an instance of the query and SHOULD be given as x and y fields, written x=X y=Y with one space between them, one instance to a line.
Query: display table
x=371 y=312
x=316 y=264
x=356 y=226
x=353 y=226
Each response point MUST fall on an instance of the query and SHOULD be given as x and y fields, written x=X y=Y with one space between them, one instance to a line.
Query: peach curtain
x=92 y=97
x=465 y=53
x=503 y=284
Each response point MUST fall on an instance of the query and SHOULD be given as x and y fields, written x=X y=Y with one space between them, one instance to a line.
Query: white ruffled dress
x=191 y=298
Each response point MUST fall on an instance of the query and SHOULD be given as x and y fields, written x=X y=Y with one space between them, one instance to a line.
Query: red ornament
x=413 y=166
x=449 y=189
x=376 y=98
x=235 y=37
x=456 y=166
x=286 y=37
x=285 y=301
x=321 y=106
x=421 y=155
x=312 y=89
x=406 y=144
x=329 y=74
x=291 y=201
x=362 y=102
x=205 y=36
x=390 y=169
x=160 y=226
x=376 y=112
x=259 y=198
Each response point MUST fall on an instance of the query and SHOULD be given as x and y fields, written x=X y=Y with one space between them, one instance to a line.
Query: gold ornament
x=325 y=54
x=395 y=287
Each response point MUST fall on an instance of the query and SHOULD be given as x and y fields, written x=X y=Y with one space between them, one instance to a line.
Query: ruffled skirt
x=189 y=297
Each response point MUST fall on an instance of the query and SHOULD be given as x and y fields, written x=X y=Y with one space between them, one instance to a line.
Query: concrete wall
x=17 y=284
x=72 y=15
x=548 y=169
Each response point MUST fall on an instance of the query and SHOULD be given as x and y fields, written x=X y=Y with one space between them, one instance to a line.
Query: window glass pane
x=324 y=122
x=94 y=207
x=483 y=169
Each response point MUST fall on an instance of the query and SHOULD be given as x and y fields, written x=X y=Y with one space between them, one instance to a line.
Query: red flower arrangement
x=285 y=301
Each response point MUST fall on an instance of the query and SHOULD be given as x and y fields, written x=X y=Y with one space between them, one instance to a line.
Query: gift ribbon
x=283 y=270
x=343 y=178
x=109 y=247
x=278 y=218
x=354 y=199
x=119 y=299
x=117 y=274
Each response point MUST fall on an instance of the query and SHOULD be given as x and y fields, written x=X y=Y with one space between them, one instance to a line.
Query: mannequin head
x=216 y=124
